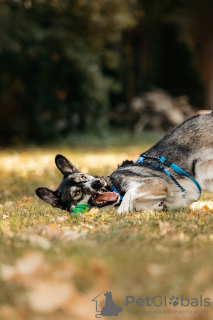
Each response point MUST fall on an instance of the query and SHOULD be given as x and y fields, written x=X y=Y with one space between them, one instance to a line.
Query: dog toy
x=81 y=208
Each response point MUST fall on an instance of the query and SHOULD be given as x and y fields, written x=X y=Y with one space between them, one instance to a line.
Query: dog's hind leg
x=145 y=196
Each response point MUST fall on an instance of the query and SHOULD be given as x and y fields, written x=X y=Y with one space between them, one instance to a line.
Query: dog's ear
x=64 y=165
x=48 y=196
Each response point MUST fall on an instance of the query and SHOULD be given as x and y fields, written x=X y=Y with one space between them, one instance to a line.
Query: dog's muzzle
x=97 y=184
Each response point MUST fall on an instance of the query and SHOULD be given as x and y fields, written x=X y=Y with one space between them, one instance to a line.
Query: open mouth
x=104 y=197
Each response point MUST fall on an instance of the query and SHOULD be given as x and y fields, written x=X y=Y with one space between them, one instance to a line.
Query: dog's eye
x=83 y=177
x=77 y=193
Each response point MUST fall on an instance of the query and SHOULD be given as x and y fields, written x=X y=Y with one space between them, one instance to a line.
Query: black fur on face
x=75 y=188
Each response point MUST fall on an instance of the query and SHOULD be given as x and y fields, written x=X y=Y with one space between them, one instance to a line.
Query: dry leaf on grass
x=181 y=236
x=8 y=204
x=37 y=240
x=72 y=235
x=204 y=210
x=92 y=212
x=164 y=227
x=53 y=230
x=157 y=271
x=49 y=296
x=61 y=220
x=192 y=215
x=86 y=226
x=29 y=263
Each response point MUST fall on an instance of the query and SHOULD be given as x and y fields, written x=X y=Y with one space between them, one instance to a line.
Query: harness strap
x=179 y=171
x=169 y=164
x=173 y=167
x=116 y=191
x=159 y=167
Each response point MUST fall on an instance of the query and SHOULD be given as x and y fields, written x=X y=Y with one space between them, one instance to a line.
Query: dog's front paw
x=159 y=206
x=121 y=210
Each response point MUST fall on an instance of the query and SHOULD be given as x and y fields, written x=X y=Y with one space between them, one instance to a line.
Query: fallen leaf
x=54 y=226
x=29 y=263
x=8 y=204
x=181 y=236
x=92 y=212
x=50 y=296
x=164 y=227
x=87 y=226
x=206 y=208
x=61 y=220
x=39 y=241
x=192 y=214
x=53 y=230
x=157 y=271
x=73 y=234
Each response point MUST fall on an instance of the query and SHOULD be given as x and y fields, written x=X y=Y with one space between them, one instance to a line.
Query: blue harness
x=116 y=191
x=158 y=165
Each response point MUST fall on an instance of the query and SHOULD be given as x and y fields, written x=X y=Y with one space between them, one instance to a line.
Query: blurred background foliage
x=65 y=64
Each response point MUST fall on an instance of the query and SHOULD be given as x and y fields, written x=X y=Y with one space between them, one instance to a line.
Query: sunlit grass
x=44 y=250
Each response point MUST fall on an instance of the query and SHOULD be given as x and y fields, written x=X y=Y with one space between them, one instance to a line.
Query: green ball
x=81 y=208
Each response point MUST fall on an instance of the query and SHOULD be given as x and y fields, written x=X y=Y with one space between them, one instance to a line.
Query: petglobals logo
x=155 y=305
x=105 y=306
x=164 y=301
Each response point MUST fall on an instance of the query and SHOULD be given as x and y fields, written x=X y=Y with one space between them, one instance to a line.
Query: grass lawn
x=53 y=264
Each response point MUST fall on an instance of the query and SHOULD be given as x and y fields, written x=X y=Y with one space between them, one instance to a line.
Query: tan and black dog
x=171 y=173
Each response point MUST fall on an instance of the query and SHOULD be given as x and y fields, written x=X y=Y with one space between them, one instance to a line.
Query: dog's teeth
x=99 y=202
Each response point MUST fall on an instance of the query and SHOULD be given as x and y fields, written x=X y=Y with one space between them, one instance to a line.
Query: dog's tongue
x=107 y=196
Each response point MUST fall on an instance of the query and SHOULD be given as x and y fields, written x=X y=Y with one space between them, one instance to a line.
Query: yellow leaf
x=92 y=212
x=54 y=226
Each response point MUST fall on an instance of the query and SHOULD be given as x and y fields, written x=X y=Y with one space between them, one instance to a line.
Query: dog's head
x=77 y=188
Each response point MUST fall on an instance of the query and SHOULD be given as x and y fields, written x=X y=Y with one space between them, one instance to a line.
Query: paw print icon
x=173 y=301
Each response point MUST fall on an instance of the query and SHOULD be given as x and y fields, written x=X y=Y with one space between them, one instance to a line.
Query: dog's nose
x=96 y=184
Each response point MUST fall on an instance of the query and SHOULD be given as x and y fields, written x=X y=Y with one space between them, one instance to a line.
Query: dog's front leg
x=127 y=202
x=145 y=196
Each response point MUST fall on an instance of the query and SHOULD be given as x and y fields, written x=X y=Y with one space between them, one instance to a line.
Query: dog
x=170 y=174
